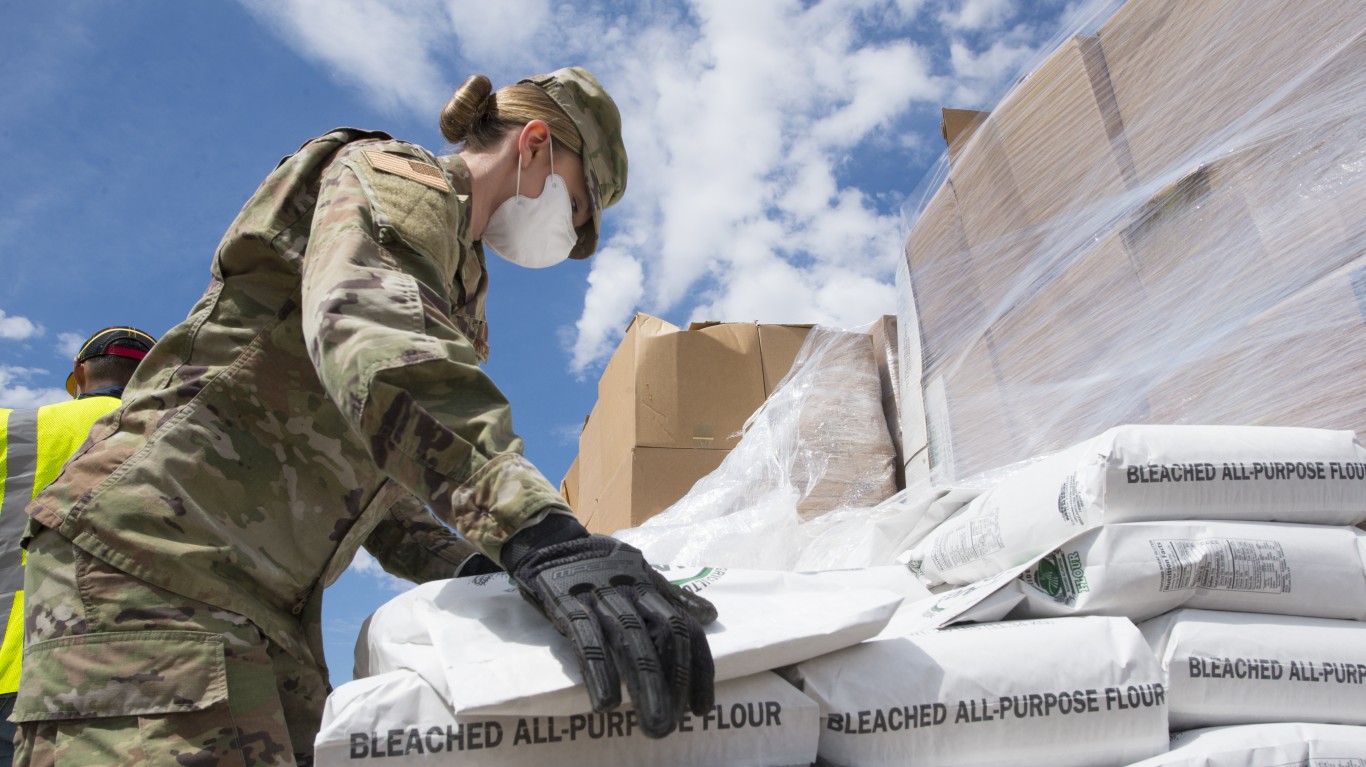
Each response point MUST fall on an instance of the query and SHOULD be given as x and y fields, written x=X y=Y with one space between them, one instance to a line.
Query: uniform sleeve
x=376 y=318
x=410 y=543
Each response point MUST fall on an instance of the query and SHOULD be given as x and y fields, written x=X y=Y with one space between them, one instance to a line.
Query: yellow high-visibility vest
x=34 y=445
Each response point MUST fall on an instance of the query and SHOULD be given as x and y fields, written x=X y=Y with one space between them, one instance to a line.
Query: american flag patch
x=413 y=170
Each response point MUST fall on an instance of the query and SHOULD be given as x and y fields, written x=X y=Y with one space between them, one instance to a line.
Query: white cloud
x=69 y=343
x=568 y=433
x=17 y=393
x=496 y=32
x=980 y=75
x=742 y=119
x=16 y=328
x=386 y=47
x=777 y=291
x=978 y=14
x=367 y=565
x=615 y=287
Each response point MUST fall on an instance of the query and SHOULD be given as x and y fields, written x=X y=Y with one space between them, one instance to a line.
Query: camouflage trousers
x=119 y=672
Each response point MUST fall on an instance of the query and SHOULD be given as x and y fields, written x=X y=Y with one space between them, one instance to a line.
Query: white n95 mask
x=534 y=232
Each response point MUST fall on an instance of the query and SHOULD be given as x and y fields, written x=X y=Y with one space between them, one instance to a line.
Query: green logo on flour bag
x=1060 y=575
x=1048 y=578
x=692 y=579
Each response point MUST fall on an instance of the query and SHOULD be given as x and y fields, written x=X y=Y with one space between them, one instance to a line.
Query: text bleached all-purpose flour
x=1150 y=473
x=1228 y=668
x=396 y=717
x=1073 y=691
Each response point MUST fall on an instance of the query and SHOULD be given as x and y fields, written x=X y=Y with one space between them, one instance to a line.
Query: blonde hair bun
x=466 y=107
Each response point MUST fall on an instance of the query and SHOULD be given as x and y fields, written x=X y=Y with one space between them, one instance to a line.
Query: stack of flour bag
x=1158 y=595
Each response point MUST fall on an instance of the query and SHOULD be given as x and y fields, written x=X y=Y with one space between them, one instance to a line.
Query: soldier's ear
x=78 y=375
x=534 y=139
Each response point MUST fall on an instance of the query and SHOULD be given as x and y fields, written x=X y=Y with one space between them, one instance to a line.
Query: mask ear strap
x=552 y=155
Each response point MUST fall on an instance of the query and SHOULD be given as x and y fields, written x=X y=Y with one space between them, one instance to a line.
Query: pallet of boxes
x=1124 y=402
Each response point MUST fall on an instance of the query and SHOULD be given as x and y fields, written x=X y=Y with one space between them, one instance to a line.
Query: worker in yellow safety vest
x=34 y=445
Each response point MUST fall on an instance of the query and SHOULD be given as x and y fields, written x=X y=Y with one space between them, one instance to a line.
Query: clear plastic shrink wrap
x=820 y=444
x=1160 y=223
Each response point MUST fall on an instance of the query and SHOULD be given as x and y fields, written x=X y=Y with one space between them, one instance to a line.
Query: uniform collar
x=458 y=174
x=108 y=391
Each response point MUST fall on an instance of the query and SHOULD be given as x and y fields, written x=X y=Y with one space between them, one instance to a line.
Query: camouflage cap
x=593 y=112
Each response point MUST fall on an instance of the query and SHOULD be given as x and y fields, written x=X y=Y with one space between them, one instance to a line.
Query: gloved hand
x=622 y=617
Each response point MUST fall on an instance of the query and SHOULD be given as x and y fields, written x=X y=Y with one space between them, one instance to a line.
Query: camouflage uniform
x=328 y=379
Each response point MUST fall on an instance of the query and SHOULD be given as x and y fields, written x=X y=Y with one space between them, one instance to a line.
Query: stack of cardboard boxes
x=1160 y=223
x=672 y=403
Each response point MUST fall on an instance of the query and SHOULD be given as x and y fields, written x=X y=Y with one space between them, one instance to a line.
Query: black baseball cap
x=116 y=342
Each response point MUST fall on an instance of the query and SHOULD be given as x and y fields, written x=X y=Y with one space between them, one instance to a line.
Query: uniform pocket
x=133 y=673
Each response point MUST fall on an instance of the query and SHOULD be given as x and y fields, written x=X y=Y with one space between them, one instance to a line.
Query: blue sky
x=773 y=145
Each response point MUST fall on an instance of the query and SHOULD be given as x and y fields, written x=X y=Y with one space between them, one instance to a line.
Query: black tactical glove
x=622 y=617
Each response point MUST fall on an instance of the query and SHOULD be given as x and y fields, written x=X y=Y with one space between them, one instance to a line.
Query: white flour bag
x=1073 y=691
x=486 y=650
x=1150 y=473
x=396 y=717
x=1266 y=745
x=1142 y=569
x=1240 y=668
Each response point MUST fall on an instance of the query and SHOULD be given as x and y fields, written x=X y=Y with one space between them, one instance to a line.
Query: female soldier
x=327 y=381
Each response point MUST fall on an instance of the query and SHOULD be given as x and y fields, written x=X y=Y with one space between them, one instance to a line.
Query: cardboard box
x=1199 y=255
x=943 y=292
x=682 y=390
x=967 y=414
x=1299 y=363
x=1301 y=179
x=1075 y=271
x=667 y=387
x=591 y=472
x=778 y=349
x=1183 y=72
x=1059 y=129
x=1008 y=264
x=958 y=126
x=569 y=486
x=1063 y=354
x=838 y=447
x=886 y=337
x=649 y=481
x=1030 y=178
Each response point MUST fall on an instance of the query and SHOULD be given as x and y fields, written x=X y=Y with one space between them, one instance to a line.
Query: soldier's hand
x=624 y=619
